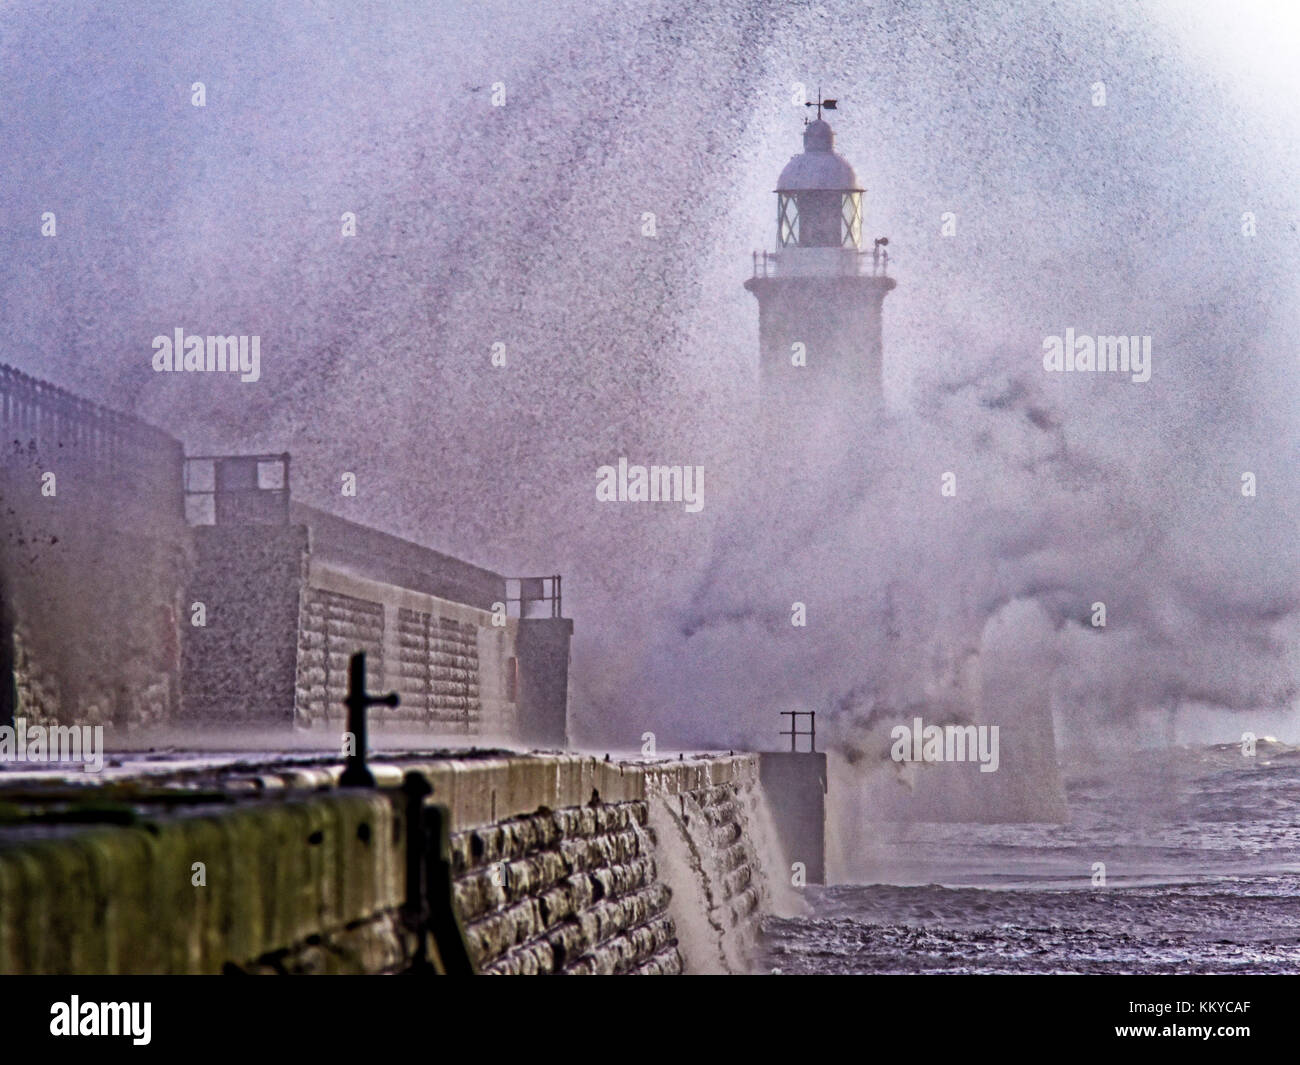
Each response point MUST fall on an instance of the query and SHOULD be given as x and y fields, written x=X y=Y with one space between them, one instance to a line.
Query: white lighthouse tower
x=819 y=297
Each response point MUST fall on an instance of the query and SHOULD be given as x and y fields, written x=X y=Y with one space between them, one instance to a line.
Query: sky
x=523 y=225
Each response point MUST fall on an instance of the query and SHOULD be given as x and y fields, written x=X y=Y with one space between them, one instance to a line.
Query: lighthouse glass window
x=787 y=220
x=851 y=216
x=820 y=218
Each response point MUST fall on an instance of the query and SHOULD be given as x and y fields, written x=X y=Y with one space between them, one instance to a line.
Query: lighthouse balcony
x=822 y=262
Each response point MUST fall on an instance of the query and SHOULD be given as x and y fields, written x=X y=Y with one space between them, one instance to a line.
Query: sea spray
x=777 y=895
x=700 y=935
x=714 y=848
x=709 y=846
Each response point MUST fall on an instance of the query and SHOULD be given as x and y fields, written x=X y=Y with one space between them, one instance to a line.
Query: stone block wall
x=331 y=628
x=603 y=888
x=439 y=670
x=446 y=660
x=575 y=890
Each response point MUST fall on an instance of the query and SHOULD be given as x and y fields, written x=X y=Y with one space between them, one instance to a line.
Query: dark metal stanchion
x=430 y=904
x=355 y=774
x=417 y=789
x=794 y=733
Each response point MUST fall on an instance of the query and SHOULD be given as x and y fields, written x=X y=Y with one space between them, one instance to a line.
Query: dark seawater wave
x=1202 y=862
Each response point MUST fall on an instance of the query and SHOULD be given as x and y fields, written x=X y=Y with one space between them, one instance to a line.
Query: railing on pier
x=795 y=733
x=534 y=597
x=237 y=489
x=123 y=451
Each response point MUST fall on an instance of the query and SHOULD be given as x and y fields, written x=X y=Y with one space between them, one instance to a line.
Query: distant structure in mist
x=821 y=298
x=820 y=295
x=141 y=588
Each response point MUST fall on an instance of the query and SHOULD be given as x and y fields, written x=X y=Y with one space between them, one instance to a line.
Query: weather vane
x=829 y=105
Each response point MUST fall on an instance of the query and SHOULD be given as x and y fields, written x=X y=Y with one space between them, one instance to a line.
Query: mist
x=523 y=225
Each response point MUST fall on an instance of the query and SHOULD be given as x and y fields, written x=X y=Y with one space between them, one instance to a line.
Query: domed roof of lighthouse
x=818 y=167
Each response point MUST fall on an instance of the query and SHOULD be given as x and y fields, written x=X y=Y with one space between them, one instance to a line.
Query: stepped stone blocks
x=332 y=627
x=580 y=890
x=439 y=671
x=446 y=660
x=732 y=853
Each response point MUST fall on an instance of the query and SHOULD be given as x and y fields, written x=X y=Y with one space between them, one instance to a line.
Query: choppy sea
x=1201 y=856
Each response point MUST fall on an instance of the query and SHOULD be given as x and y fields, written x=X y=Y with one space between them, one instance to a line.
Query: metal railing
x=237 y=489
x=33 y=412
x=535 y=597
x=794 y=733
x=874 y=263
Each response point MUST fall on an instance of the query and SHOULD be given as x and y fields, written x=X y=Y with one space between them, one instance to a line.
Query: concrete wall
x=348 y=547
x=123 y=899
x=550 y=873
x=240 y=666
x=543 y=657
x=93 y=549
x=796 y=785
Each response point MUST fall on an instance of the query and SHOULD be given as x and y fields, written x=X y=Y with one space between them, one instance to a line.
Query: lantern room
x=819 y=203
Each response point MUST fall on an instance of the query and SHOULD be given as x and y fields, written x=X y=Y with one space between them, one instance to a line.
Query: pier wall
x=548 y=864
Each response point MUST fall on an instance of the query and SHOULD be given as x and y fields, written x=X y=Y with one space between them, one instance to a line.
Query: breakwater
x=489 y=862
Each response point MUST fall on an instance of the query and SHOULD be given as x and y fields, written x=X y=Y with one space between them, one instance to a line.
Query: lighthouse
x=820 y=295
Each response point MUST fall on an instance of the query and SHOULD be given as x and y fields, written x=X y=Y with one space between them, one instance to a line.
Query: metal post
x=416 y=789
x=443 y=921
x=355 y=774
x=8 y=665
x=285 y=456
x=794 y=733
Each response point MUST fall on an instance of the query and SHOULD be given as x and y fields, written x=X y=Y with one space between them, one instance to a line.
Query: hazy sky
x=522 y=225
